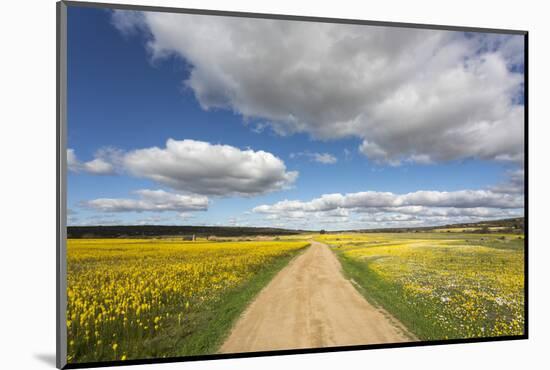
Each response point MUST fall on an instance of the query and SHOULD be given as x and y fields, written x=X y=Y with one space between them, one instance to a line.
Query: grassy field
x=440 y=285
x=130 y=298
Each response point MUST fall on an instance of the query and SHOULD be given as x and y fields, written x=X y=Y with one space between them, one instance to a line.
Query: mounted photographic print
x=237 y=184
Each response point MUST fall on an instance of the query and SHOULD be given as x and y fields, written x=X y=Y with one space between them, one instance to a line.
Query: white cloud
x=203 y=168
x=392 y=218
x=152 y=201
x=195 y=167
x=324 y=158
x=409 y=95
x=375 y=200
x=98 y=166
x=72 y=163
x=439 y=212
x=102 y=164
x=307 y=220
x=384 y=209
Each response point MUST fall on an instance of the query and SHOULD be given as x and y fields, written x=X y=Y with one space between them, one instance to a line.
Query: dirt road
x=310 y=304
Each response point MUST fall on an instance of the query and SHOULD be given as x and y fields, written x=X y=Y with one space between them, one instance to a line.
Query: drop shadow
x=47 y=358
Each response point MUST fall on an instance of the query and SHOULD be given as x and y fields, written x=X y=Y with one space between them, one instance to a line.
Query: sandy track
x=310 y=304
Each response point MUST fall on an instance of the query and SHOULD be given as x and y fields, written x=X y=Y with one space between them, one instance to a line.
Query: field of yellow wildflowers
x=136 y=299
x=440 y=285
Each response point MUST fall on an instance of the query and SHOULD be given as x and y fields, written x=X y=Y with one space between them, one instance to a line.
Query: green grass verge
x=389 y=296
x=204 y=332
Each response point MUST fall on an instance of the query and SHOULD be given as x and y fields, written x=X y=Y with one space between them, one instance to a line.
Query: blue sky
x=137 y=80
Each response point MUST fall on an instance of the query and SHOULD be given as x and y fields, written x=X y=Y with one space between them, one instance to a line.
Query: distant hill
x=77 y=232
x=509 y=225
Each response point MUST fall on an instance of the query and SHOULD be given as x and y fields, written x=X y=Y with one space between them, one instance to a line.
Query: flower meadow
x=135 y=299
x=441 y=286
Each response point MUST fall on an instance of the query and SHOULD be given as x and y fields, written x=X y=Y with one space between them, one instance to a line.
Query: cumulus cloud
x=384 y=209
x=211 y=169
x=392 y=218
x=375 y=200
x=195 y=167
x=324 y=158
x=150 y=201
x=409 y=95
x=309 y=220
x=102 y=164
